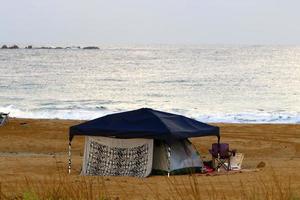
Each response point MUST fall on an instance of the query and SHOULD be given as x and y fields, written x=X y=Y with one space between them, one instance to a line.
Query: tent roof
x=144 y=123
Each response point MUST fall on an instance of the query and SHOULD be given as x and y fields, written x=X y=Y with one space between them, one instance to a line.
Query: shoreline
x=213 y=123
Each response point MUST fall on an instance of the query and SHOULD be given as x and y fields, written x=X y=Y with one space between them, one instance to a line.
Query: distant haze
x=95 y=22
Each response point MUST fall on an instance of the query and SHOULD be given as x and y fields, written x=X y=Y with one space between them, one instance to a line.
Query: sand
x=38 y=148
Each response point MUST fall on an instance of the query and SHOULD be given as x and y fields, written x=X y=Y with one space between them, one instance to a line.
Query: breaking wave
x=78 y=113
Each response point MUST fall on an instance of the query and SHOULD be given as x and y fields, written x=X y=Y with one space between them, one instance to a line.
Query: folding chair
x=221 y=156
x=3 y=118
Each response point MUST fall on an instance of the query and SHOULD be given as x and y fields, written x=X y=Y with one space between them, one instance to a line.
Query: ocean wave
x=59 y=113
x=255 y=118
x=80 y=113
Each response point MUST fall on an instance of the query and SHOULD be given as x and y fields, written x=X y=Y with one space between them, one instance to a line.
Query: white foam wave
x=80 y=114
x=88 y=114
x=255 y=118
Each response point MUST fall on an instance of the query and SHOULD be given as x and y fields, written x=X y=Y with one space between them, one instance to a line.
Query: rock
x=58 y=48
x=4 y=47
x=28 y=47
x=13 y=47
x=23 y=123
x=73 y=47
x=46 y=48
x=91 y=47
x=261 y=165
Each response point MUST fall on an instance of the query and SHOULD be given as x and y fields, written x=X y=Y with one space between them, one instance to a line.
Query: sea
x=210 y=83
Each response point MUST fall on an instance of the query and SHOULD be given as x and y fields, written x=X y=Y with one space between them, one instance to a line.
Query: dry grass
x=60 y=187
x=63 y=187
x=273 y=187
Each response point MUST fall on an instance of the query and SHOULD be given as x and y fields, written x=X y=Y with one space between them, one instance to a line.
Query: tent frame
x=70 y=157
x=169 y=159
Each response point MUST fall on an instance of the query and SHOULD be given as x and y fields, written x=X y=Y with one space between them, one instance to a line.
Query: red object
x=208 y=169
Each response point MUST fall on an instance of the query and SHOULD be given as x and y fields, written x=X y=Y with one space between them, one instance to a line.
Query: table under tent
x=138 y=142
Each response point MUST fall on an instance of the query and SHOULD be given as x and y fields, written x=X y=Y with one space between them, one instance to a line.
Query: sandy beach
x=35 y=149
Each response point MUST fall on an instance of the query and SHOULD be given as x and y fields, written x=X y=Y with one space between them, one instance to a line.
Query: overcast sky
x=86 y=22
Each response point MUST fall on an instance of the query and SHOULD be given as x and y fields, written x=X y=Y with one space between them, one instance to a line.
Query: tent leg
x=70 y=161
x=169 y=160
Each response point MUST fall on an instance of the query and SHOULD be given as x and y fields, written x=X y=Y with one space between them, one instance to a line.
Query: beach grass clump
x=261 y=186
x=58 y=187
x=264 y=186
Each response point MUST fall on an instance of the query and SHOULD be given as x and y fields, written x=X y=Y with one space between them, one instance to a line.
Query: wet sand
x=38 y=148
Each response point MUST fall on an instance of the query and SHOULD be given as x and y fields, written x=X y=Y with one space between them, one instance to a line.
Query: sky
x=95 y=22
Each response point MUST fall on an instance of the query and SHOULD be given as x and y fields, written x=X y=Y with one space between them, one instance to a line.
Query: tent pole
x=169 y=160
x=70 y=161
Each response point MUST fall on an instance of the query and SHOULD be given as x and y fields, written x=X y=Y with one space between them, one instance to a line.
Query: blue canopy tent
x=143 y=123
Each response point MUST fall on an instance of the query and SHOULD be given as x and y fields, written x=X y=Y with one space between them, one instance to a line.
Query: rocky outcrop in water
x=13 y=47
x=45 y=48
x=73 y=47
x=90 y=47
x=48 y=47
